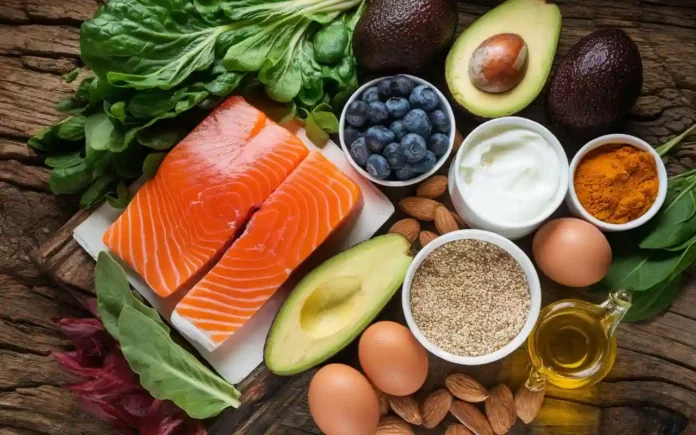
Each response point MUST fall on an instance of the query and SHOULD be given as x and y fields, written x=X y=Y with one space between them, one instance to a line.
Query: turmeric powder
x=616 y=183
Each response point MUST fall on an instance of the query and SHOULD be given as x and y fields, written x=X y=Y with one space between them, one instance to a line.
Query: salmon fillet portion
x=289 y=226
x=180 y=222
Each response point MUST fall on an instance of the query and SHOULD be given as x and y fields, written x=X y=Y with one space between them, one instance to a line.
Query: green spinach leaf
x=101 y=134
x=152 y=163
x=168 y=371
x=648 y=304
x=64 y=160
x=72 y=75
x=330 y=43
x=675 y=223
x=50 y=138
x=122 y=197
x=639 y=270
x=73 y=179
x=114 y=295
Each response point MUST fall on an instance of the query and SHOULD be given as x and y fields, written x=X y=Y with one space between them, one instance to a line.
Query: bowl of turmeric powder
x=618 y=182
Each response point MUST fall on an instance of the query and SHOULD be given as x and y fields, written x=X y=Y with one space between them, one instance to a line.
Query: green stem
x=682 y=175
x=664 y=149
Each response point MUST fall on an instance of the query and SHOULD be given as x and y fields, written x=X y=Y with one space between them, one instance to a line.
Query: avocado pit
x=499 y=63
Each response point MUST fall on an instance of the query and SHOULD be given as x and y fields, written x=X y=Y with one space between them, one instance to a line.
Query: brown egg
x=342 y=401
x=392 y=358
x=499 y=63
x=572 y=252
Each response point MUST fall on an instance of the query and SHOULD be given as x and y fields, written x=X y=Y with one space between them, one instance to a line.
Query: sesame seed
x=470 y=297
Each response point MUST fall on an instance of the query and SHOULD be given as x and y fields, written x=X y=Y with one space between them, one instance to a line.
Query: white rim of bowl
x=547 y=135
x=442 y=159
x=636 y=143
x=534 y=296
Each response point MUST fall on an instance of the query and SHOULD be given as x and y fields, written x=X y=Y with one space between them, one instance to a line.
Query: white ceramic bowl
x=474 y=219
x=534 y=292
x=444 y=105
x=576 y=209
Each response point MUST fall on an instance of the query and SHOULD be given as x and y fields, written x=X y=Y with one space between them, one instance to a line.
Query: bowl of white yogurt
x=509 y=176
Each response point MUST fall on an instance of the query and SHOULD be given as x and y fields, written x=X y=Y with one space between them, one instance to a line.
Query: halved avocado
x=335 y=302
x=538 y=22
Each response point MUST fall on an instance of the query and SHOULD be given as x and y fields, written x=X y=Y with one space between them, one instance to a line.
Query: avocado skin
x=404 y=35
x=596 y=84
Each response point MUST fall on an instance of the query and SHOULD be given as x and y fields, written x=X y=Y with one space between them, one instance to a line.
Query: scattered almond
x=392 y=425
x=457 y=429
x=408 y=228
x=500 y=409
x=471 y=417
x=444 y=222
x=426 y=237
x=466 y=388
x=383 y=400
x=433 y=187
x=435 y=407
x=422 y=209
x=406 y=407
x=460 y=222
x=528 y=403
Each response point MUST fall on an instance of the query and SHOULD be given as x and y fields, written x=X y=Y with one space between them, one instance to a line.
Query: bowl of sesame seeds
x=471 y=297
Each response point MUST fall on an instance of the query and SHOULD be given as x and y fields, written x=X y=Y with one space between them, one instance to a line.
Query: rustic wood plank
x=15 y=150
x=36 y=39
x=44 y=64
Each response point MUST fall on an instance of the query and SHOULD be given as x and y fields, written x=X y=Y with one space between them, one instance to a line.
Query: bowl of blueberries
x=397 y=131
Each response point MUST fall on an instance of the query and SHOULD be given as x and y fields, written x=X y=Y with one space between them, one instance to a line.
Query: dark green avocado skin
x=404 y=35
x=596 y=84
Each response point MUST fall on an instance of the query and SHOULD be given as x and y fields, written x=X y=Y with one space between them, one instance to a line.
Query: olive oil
x=573 y=343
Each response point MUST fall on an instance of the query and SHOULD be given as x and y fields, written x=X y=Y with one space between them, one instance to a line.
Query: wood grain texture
x=651 y=390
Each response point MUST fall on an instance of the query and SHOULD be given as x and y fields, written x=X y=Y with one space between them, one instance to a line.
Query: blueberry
x=378 y=137
x=397 y=127
x=440 y=121
x=424 y=97
x=413 y=147
x=371 y=94
x=417 y=121
x=398 y=107
x=351 y=134
x=401 y=86
x=438 y=143
x=394 y=156
x=356 y=113
x=378 y=167
x=377 y=112
x=405 y=173
x=384 y=88
x=426 y=163
x=359 y=151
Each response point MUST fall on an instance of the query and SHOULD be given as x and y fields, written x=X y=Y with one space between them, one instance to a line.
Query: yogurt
x=511 y=176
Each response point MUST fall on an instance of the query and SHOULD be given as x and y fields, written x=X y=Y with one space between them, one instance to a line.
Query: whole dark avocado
x=404 y=35
x=596 y=84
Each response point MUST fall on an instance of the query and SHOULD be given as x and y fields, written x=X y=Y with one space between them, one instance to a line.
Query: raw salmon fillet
x=290 y=225
x=181 y=221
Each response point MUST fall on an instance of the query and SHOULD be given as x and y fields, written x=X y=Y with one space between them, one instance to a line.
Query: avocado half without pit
x=500 y=63
x=335 y=302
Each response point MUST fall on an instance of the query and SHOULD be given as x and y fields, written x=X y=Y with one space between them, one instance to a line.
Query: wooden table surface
x=651 y=390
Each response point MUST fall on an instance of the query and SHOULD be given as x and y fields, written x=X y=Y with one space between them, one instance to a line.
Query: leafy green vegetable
x=160 y=65
x=96 y=191
x=152 y=163
x=72 y=75
x=114 y=294
x=122 y=197
x=654 y=272
x=168 y=371
x=64 y=160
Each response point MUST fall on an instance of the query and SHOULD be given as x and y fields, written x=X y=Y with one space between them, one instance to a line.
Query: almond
x=408 y=228
x=466 y=388
x=426 y=237
x=383 y=400
x=433 y=187
x=457 y=429
x=528 y=403
x=460 y=222
x=406 y=407
x=500 y=409
x=471 y=417
x=392 y=425
x=422 y=209
x=444 y=222
x=435 y=407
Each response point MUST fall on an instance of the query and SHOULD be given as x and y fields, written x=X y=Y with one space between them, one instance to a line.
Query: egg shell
x=572 y=252
x=392 y=358
x=342 y=401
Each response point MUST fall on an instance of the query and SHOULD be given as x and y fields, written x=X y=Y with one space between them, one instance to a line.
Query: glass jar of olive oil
x=574 y=342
